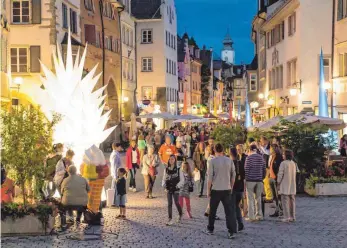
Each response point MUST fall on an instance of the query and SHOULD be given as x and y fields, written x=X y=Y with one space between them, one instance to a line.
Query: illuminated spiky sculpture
x=72 y=96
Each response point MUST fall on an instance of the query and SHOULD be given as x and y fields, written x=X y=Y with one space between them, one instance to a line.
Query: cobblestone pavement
x=321 y=222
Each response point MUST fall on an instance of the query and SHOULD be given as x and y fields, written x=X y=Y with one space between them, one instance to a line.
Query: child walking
x=121 y=194
x=171 y=178
x=186 y=186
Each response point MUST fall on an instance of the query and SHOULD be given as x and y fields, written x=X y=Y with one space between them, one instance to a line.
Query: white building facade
x=295 y=32
x=157 y=79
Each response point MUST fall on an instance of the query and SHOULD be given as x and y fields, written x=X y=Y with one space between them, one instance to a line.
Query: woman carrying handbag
x=149 y=170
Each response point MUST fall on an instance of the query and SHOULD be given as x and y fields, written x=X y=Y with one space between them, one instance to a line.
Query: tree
x=26 y=140
x=205 y=80
x=309 y=142
x=229 y=136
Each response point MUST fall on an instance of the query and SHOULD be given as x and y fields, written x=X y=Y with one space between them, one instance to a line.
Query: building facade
x=340 y=60
x=36 y=29
x=4 y=48
x=195 y=81
x=157 y=77
x=294 y=37
x=100 y=31
x=184 y=74
x=128 y=34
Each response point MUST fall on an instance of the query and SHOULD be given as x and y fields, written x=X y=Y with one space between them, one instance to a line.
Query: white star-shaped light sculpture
x=73 y=97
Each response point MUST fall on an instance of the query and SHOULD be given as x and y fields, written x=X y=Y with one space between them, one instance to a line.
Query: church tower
x=228 y=53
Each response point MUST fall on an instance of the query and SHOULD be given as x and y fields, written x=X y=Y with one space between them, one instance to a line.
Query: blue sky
x=208 y=21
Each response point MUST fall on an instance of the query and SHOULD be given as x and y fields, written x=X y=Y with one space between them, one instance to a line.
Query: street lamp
x=18 y=81
x=271 y=101
x=125 y=99
x=261 y=96
x=297 y=86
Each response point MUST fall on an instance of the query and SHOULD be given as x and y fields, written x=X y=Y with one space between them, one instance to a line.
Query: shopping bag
x=197 y=176
x=110 y=197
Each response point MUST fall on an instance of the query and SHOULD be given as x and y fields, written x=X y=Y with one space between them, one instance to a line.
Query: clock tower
x=228 y=53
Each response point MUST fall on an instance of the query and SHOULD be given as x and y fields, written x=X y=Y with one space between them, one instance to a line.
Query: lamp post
x=18 y=81
x=297 y=86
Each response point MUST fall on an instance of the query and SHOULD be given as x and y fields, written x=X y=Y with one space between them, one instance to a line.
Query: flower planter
x=23 y=226
x=328 y=189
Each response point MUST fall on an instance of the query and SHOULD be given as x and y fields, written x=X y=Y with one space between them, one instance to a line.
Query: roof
x=146 y=9
x=74 y=42
x=254 y=63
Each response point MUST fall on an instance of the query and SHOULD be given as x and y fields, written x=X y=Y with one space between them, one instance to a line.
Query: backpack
x=92 y=218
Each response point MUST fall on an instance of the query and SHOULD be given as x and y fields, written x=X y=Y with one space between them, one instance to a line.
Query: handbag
x=152 y=171
x=197 y=176
x=191 y=186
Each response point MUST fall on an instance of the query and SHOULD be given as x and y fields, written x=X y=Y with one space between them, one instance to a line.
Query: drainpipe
x=332 y=59
x=135 y=44
x=120 y=10
x=101 y=10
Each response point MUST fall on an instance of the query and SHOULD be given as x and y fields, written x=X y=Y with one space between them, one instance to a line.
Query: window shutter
x=35 y=52
x=36 y=11
x=90 y=35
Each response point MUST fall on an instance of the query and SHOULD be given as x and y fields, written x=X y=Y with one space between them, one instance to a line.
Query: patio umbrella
x=189 y=117
x=163 y=115
x=332 y=123
x=138 y=124
x=201 y=120
x=323 y=98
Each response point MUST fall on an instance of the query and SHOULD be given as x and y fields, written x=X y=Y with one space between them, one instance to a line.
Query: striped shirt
x=255 y=168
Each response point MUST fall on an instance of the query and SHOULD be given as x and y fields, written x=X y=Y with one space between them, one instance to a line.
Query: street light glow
x=293 y=92
x=261 y=96
x=18 y=81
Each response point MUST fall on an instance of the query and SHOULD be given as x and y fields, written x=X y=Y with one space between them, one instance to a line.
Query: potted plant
x=26 y=141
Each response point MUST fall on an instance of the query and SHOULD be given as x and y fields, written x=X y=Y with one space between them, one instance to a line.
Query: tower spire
x=228 y=42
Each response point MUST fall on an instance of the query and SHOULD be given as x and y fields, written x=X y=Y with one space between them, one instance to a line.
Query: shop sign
x=306 y=102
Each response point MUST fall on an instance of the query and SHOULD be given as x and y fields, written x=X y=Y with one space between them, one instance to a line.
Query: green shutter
x=35 y=52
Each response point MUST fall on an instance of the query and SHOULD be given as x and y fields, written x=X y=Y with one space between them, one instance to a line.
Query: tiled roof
x=146 y=9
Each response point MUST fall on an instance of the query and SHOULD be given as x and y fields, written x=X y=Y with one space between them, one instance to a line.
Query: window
x=167 y=65
x=174 y=46
x=147 y=64
x=107 y=10
x=253 y=82
x=276 y=78
x=20 y=11
x=275 y=35
x=341 y=9
x=19 y=59
x=131 y=38
x=238 y=83
x=291 y=72
x=326 y=66
x=123 y=33
x=108 y=43
x=291 y=24
x=73 y=21
x=170 y=66
x=97 y=39
x=127 y=36
x=147 y=36
x=342 y=64
x=88 y=4
x=64 y=13
x=167 y=43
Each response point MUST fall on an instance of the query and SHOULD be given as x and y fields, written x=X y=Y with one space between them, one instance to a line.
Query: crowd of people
x=241 y=177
